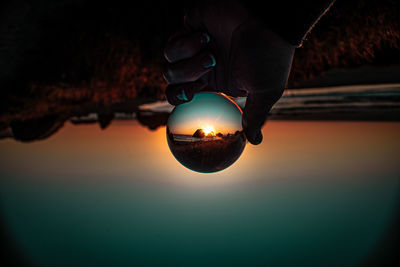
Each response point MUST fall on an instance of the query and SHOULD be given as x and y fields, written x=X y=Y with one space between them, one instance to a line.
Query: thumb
x=255 y=114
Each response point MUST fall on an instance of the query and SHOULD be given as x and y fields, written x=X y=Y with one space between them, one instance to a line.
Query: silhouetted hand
x=223 y=48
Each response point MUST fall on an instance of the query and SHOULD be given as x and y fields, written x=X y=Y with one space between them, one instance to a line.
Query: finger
x=255 y=114
x=178 y=34
x=181 y=93
x=189 y=70
x=185 y=46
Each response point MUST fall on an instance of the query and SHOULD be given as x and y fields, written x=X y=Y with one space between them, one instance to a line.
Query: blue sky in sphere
x=206 y=109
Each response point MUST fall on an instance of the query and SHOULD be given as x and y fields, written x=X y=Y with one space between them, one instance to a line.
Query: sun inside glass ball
x=206 y=134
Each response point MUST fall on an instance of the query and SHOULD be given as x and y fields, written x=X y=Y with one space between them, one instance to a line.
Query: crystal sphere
x=206 y=134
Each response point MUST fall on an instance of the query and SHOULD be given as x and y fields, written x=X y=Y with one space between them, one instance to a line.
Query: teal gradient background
x=312 y=194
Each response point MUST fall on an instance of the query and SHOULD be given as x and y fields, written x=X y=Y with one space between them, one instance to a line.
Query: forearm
x=291 y=20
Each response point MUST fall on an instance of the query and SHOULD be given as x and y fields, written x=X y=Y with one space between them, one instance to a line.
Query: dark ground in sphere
x=208 y=155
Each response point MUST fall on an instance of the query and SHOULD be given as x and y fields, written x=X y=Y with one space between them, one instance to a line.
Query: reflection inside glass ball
x=205 y=134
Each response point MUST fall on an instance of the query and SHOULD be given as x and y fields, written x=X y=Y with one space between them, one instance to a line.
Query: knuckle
x=168 y=53
x=174 y=50
x=167 y=75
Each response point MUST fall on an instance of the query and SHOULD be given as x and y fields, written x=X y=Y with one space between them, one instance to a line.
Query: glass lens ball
x=206 y=134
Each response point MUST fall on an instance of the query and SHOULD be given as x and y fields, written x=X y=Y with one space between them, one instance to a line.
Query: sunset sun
x=208 y=129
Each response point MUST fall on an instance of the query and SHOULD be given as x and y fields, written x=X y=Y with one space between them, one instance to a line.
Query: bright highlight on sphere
x=208 y=129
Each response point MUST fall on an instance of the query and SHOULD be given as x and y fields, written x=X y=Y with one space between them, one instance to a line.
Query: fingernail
x=182 y=96
x=209 y=61
x=205 y=39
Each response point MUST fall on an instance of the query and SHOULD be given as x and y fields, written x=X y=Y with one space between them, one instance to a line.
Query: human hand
x=223 y=48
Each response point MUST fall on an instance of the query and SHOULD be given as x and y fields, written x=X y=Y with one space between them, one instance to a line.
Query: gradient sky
x=206 y=109
x=88 y=197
